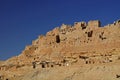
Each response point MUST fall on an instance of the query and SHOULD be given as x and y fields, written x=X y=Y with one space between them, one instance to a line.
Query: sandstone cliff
x=81 y=44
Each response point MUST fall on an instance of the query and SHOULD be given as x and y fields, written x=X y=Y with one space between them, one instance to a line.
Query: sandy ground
x=107 y=71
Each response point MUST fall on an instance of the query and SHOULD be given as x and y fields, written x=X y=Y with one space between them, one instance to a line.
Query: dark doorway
x=57 y=38
x=34 y=65
x=51 y=65
x=43 y=65
x=90 y=34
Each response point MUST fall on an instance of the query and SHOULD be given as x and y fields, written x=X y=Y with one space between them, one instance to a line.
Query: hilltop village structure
x=81 y=44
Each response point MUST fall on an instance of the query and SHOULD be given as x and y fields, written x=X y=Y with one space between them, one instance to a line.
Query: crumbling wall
x=68 y=39
x=80 y=25
x=94 y=24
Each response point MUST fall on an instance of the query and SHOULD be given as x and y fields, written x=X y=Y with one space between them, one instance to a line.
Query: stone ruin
x=83 y=44
x=78 y=36
x=80 y=25
x=50 y=64
x=94 y=24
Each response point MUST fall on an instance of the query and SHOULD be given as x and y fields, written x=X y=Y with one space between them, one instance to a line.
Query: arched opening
x=57 y=38
x=86 y=62
x=52 y=66
x=43 y=65
x=90 y=34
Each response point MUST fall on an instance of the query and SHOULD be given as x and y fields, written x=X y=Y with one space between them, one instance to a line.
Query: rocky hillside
x=71 y=52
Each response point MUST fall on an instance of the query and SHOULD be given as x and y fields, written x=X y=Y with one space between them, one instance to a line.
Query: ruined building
x=83 y=43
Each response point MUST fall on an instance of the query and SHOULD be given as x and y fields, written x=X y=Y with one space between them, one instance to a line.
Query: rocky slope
x=77 y=72
x=79 y=52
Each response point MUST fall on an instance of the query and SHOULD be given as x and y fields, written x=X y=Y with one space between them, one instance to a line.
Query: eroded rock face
x=82 y=43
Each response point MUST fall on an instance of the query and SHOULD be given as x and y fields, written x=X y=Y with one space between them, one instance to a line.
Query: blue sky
x=22 y=21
